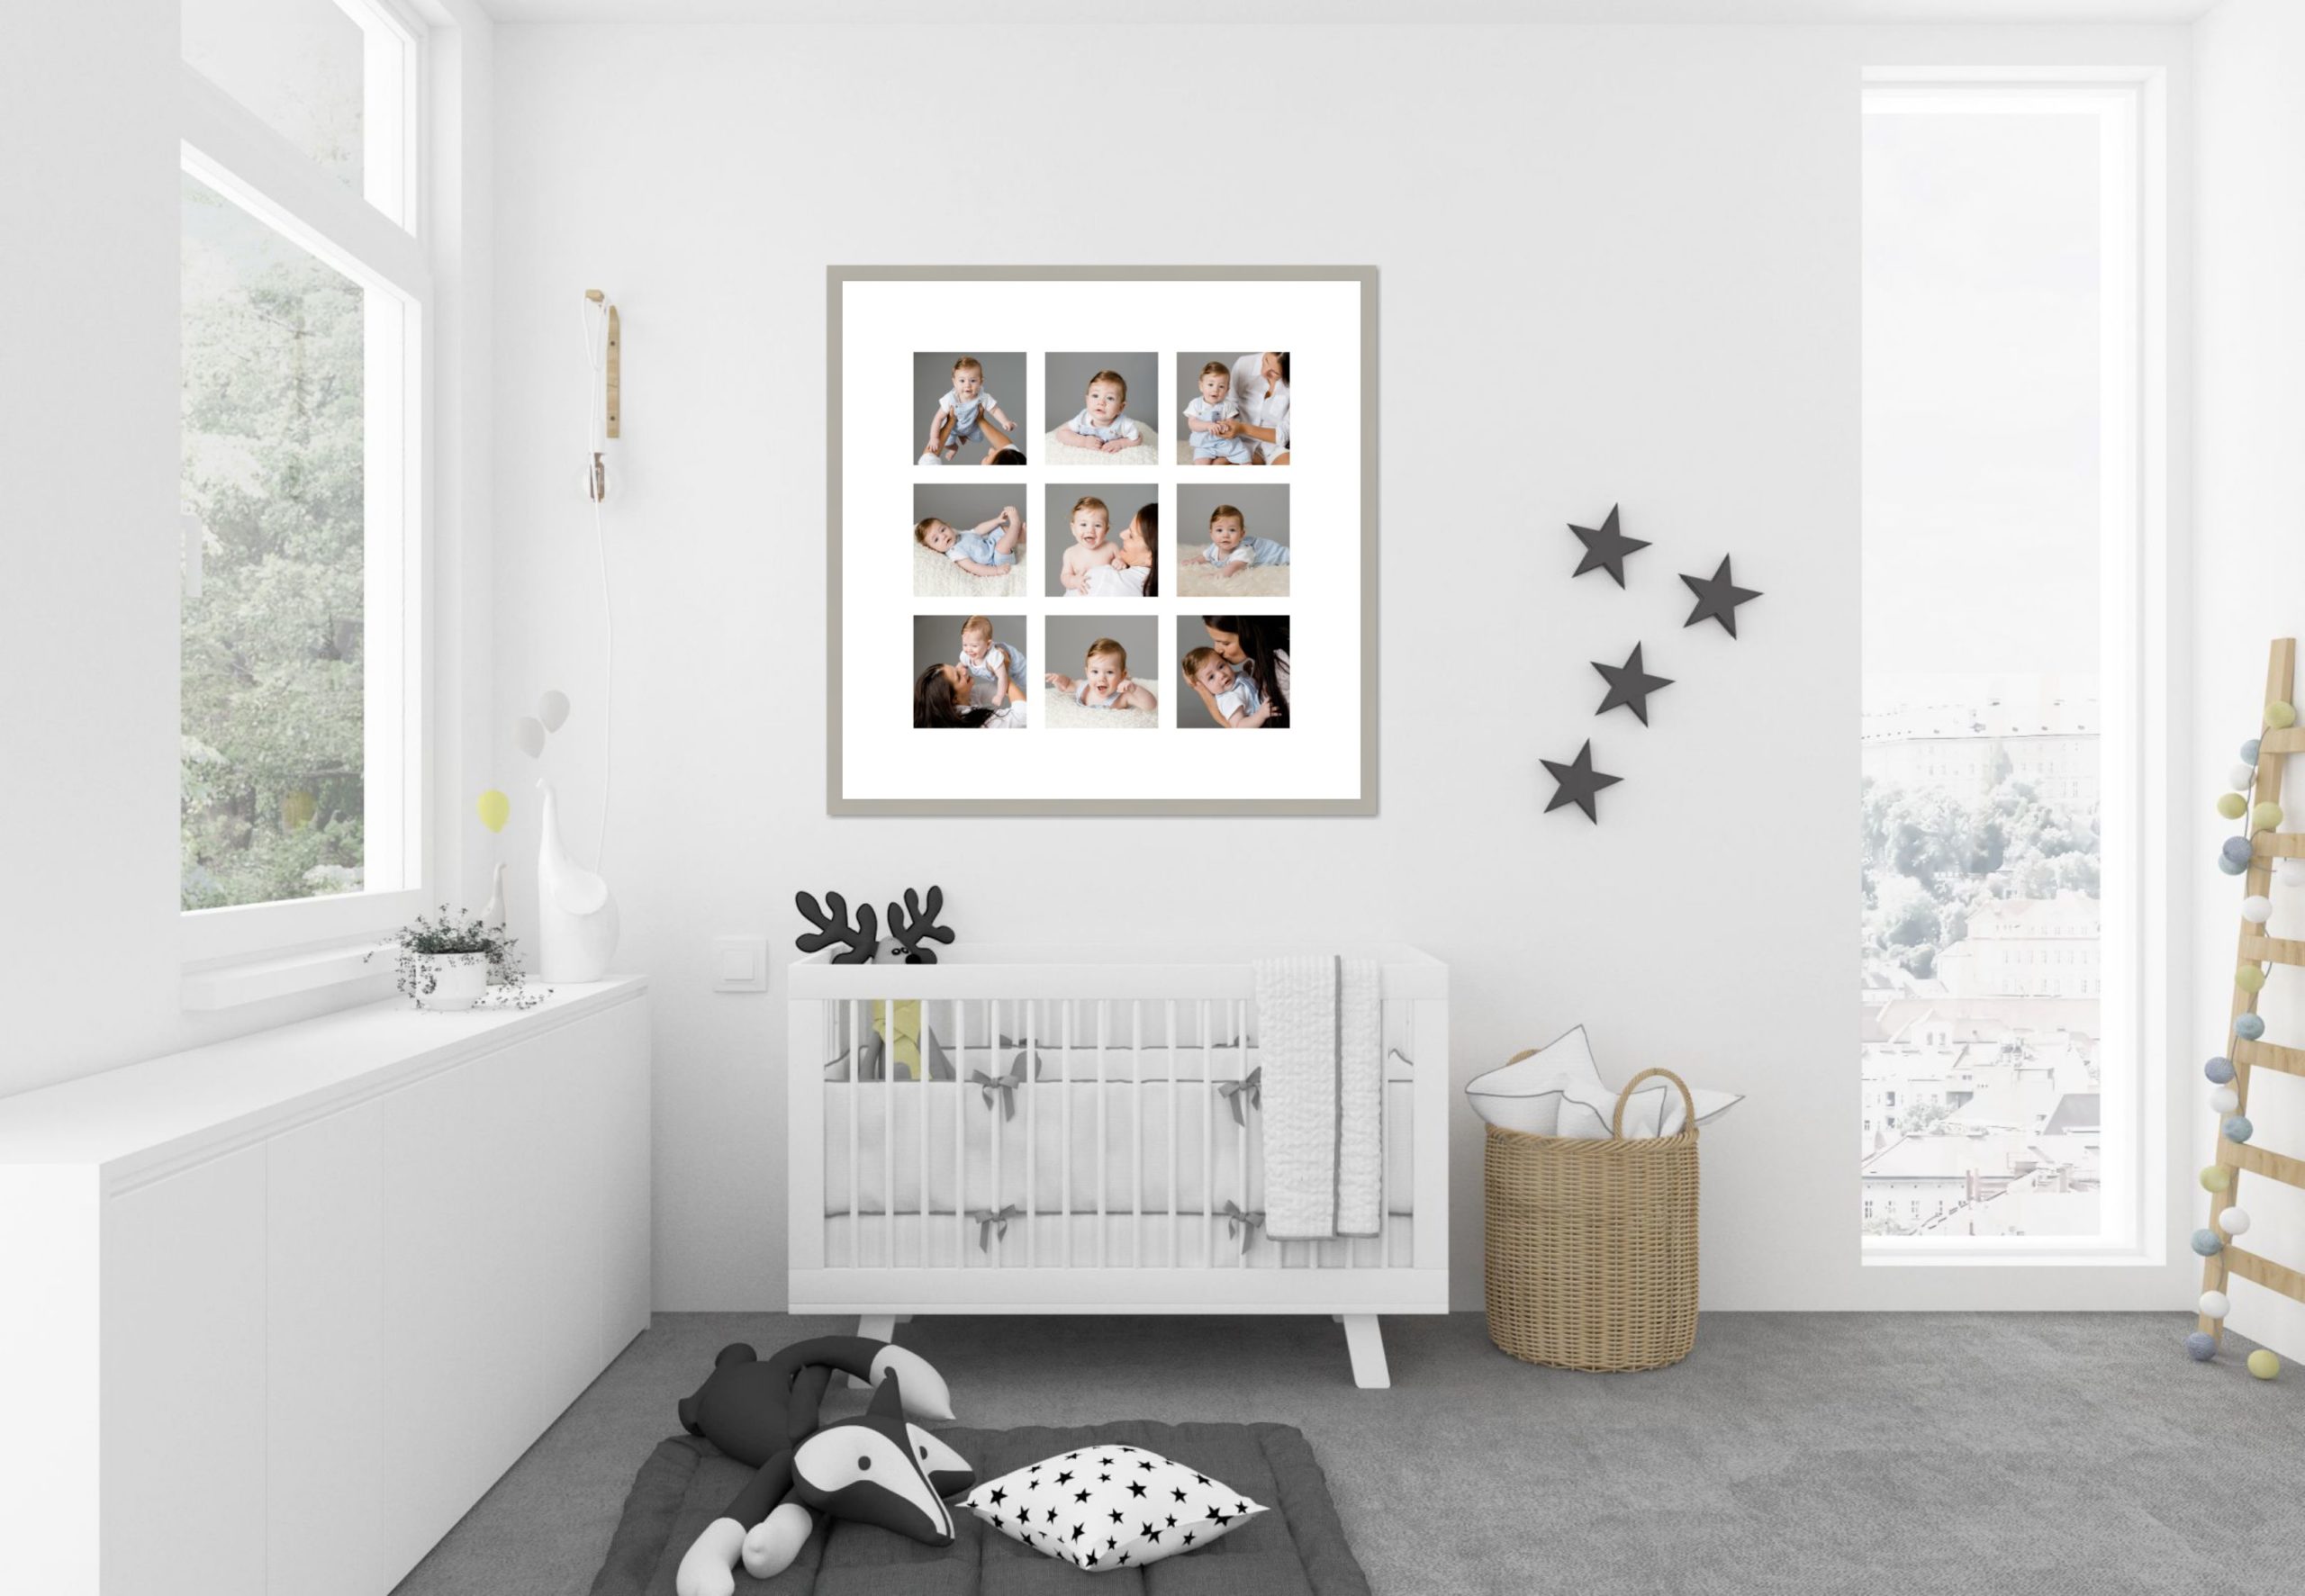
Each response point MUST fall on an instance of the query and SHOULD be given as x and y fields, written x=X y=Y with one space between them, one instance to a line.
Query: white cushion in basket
x=1558 y=1091
x=1164 y=1508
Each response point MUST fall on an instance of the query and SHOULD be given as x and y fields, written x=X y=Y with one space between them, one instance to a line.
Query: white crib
x=1085 y=1138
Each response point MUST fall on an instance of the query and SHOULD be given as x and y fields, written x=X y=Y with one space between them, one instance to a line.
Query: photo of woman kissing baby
x=1237 y=667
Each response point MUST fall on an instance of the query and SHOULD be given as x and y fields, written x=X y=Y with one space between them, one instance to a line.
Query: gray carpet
x=1817 y=1455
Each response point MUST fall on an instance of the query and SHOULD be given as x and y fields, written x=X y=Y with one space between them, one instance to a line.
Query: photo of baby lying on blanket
x=966 y=425
x=1237 y=667
x=1108 y=690
x=969 y=542
x=1100 y=408
x=1236 y=541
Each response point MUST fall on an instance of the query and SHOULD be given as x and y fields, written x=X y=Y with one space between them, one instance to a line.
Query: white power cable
x=596 y=490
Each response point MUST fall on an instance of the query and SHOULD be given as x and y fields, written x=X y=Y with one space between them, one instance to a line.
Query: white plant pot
x=457 y=980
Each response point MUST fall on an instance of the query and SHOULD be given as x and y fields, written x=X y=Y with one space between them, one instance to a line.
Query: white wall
x=1633 y=252
x=2249 y=554
x=89 y=958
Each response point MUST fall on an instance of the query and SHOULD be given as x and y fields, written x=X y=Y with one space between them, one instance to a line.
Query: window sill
x=258 y=980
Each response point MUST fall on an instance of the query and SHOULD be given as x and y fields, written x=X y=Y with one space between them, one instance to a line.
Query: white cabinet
x=322 y=1286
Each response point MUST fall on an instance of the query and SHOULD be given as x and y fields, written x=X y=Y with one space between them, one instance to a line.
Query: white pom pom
x=2256 y=911
x=2224 y=1100
x=2239 y=777
x=2215 y=1304
x=2234 y=1222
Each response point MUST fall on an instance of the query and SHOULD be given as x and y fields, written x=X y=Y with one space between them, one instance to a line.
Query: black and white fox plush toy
x=877 y=1468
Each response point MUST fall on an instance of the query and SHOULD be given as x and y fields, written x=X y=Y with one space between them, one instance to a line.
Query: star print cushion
x=1106 y=1508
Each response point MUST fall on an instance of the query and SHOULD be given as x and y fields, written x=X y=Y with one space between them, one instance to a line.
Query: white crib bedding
x=1133 y=1180
x=1149 y=1241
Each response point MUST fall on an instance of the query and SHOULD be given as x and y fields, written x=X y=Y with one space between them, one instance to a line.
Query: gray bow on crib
x=1006 y=1085
x=1251 y=1085
x=989 y=1224
x=1244 y=1225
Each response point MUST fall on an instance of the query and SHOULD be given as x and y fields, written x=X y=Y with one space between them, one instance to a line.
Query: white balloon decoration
x=2215 y=1304
x=553 y=708
x=2234 y=1222
x=2239 y=777
x=2258 y=910
x=2224 y=1100
x=527 y=732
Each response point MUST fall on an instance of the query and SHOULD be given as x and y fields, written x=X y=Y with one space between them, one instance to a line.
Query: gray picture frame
x=836 y=277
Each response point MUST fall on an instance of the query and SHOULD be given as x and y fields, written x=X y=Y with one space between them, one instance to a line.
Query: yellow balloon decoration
x=494 y=809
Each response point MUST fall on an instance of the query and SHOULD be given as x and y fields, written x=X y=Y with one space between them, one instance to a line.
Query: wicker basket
x=1592 y=1244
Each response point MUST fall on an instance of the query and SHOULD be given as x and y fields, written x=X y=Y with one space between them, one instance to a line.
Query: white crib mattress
x=995 y=1152
x=875 y=1241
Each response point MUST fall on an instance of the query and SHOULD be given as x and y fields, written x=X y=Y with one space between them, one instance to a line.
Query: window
x=305 y=293
x=2008 y=261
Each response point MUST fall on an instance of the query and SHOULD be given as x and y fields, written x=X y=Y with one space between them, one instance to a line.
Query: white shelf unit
x=275 y=1314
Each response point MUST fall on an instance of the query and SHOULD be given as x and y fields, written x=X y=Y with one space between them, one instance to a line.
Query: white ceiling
x=1015 y=11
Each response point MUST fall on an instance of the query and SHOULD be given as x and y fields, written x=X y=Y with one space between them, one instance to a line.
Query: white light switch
x=740 y=964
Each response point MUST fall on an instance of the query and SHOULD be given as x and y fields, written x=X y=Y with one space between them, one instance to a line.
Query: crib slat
x=856 y=1033
x=1207 y=1144
x=1241 y=1072
x=888 y=1096
x=1175 y=1199
x=1031 y=1067
x=928 y=1030
x=999 y=1119
x=1100 y=1132
x=960 y=1138
x=1067 y=1170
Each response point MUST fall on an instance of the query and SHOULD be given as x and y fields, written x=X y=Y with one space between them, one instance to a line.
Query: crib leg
x=877 y=1327
x=1366 y=1342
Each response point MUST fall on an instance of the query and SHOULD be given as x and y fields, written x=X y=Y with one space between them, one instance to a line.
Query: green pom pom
x=2232 y=806
x=2279 y=714
x=2262 y=1364
x=2265 y=816
x=2216 y=1177
x=2249 y=978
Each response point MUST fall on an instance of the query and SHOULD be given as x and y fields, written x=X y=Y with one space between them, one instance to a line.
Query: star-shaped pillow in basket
x=1103 y=1508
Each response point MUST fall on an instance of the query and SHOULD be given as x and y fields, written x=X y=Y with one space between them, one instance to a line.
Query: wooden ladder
x=2257 y=948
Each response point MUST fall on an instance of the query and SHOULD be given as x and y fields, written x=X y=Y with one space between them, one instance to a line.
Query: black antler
x=831 y=923
x=919 y=925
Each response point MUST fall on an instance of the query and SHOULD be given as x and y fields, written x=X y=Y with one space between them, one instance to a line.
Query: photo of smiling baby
x=1109 y=542
x=1106 y=666
x=970 y=671
x=1235 y=671
x=1233 y=540
x=962 y=422
x=969 y=541
x=1101 y=408
x=1236 y=408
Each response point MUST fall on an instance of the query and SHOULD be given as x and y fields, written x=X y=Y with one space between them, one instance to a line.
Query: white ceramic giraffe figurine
x=576 y=915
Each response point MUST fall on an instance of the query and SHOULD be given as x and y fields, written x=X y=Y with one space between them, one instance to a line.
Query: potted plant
x=449 y=963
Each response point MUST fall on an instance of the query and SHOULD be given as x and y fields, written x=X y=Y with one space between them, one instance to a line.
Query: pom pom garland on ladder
x=2253 y=854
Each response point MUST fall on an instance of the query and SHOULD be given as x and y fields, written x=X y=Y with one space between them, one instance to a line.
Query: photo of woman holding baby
x=1239 y=672
x=1098 y=554
x=1238 y=413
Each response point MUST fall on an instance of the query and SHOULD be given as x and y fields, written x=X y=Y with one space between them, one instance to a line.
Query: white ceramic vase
x=455 y=980
x=576 y=918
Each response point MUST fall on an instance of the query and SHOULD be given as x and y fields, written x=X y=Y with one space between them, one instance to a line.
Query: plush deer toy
x=876 y=1469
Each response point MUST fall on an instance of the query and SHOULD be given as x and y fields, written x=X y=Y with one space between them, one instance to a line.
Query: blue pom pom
x=2249 y=1027
x=2231 y=866
x=2201 y=1346
x=2237 y=849
x=2238 y=1129
x=2205 y=1242
x=2219 y=1069
x=2249 y=751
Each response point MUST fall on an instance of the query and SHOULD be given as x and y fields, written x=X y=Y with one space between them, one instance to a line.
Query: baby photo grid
x=1102 y=520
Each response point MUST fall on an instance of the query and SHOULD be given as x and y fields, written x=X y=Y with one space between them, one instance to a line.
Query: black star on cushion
x=1187 y=1538
x=1213 y=1513
x=1605 y=547
x=1145 y=1465
x=1065 y=1478
x=1577 y=782
x=1630 y=685
x=1178 y=1494
x=1116 y=1514
x=1080 y=1496
x=1077 y=1529
x=1136 y=1487
x=999 y=1496
x=1717 y=597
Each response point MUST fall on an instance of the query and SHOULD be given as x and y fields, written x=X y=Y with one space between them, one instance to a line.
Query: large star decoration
x=1605 y=547
x=1630 y=686
x=1578 y=781
x=1717 y=597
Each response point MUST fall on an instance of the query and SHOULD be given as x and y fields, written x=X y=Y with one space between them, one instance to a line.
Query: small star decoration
x=1630 y=686
x=1578 y=781
x=1717 y=597
x=1605 y=547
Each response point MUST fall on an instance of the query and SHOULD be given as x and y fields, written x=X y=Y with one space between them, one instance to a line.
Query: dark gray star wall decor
x=1717 y=597
x=1630 y=685
x=1605 y=547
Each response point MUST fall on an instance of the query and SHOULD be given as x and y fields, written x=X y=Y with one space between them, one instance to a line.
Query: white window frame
x=2129 y=106
x=373 y=237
